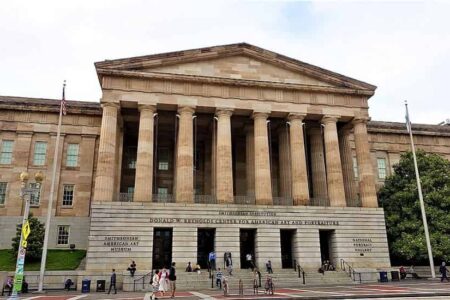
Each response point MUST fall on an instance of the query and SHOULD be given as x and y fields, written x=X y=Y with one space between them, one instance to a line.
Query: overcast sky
x=401 y=47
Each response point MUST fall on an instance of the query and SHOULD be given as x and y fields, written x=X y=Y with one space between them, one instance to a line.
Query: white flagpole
x=419 y=188
x=50 y=201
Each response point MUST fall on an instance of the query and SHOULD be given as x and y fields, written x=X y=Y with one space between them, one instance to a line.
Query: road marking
x=203 y=296
x=322 y=292
x=77 y=297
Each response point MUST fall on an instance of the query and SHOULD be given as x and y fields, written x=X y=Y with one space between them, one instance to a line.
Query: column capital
x=260 y=115
x=359 y=120
x=186 y=109
x=110 y=104
x=224 y=112
x=296 y=116
x=330 y=119
x=150 y=107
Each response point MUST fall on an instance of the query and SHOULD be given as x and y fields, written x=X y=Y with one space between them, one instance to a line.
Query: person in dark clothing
x=113 y=282
x=172 y=279
x=68 y=284
x=24 y=286
x=132 y=268
x=443 y=270
x=402 y=272
x=269 y=267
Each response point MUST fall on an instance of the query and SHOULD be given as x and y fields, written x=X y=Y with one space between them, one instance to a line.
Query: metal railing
x=143 y=279
x=301 y=273
x=126 y=197
x=286 y=201
x=354 y=275
x=244 y=200
x=205 y=199
x=163 y=198
x=319 y=202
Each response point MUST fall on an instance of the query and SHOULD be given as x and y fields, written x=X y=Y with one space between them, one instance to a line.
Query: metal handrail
x=143 y=280
x=205 y=199
x=301 y=273
x=126 y=197
x=244 y=200
x=163 y=198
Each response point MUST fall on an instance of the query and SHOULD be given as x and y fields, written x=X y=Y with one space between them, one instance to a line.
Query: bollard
x=241 y=288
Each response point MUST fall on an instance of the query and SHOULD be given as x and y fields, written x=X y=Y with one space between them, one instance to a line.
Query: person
x=212 y=260
x=219 y=275
x=255 y=282
x=24 y=286
x=225 y=286
x=155 y=284
x=269 y=267
x=112 y=283
x=402 y=272
x=268 y=286
x=163 y=281
x=249 y=260
x=197 y=268
x=172 y=279
x=189 y=267
x=132 y=268
x=229 y=263
x=443 y=270
x=413 y=272
x=8 y=286
x=68 y=284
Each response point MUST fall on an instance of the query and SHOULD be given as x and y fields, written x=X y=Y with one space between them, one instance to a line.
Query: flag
x=63 y=100
x=408 y=121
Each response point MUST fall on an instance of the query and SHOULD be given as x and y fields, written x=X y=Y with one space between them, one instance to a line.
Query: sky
x=402 y=47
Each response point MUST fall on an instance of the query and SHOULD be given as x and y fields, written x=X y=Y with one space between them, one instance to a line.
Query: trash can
x=395 y=276
x=383 y=276
x=85 y=286
x=101 y=285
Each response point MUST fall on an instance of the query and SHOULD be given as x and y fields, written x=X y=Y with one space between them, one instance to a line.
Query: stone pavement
x=420 y=289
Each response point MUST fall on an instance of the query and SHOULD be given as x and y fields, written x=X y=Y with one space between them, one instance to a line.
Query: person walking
x=112 y=282
x=155 y=284
x=443 y=270
x=219 y=275
x=172 y=279
x=163 y=281
x=249 y=260
x=269 y=267
x=212 y=260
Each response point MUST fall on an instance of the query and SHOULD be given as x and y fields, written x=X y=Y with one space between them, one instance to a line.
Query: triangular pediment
x=232 y=62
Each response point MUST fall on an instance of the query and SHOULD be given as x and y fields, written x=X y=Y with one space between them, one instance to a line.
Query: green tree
x=35 y=239
x=400 y=200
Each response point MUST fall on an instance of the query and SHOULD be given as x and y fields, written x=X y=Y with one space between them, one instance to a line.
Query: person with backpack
x=172 y=279
x=443 y=270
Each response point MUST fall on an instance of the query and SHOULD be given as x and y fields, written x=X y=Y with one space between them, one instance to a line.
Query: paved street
x=418 y=289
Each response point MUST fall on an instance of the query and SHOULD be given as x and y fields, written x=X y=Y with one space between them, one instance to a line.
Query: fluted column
x=143 y=186
x=367 y=189
x=347 y=166
x=224 y=159
x=335 y=179
x=284 y=162
x=250 y=159
x=104 y=181
x=185 y=157
x=263 y=184
x=318 y=171
x=300 y=190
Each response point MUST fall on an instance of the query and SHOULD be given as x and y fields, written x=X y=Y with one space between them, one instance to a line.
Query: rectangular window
x=68 y=195
x=6 y=152
x=355 y=167
x=63 y=235
x=163 y=161
x=35 y=198
x=40 y=150
x=163 y=191
x=130 y=155
x=72 y=155
x=381 y=164
x=3 y=186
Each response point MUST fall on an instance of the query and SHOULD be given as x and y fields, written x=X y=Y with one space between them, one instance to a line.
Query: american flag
x=408 y=121
x=63 y=100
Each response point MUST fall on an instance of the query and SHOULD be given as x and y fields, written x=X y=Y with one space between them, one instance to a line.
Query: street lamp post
x=26 y=190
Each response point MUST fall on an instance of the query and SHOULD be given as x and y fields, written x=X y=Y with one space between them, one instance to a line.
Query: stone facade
x=187 y=141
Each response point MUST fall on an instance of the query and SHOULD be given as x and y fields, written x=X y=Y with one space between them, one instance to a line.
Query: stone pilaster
x=300 y=190
x=104 y=181
x=318 y=171
x=224 y=158
x=367 y=189
x=284 y=162
x=213 y=159
x=250 y=159
x=347 y=166
x=185 y=157
x=263 y=184
x=143 y=186
x=335 y=179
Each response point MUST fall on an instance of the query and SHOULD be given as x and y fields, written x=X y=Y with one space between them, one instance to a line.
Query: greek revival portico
x=295 y=121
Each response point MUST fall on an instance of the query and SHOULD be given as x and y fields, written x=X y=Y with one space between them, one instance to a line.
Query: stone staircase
x=282 y=279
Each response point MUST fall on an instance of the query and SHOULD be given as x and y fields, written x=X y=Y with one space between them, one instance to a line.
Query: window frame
x=62 y=237
x=8 y=154
x=64 y=193
x=355 y=168
x=382 y=168
x=70 y=158
x=33 y=203
x=5 y=192
x=163 y=159
x=44 y=153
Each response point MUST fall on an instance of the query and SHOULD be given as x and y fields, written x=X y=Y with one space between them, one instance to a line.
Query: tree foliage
x=35 y=239
x=400 y=199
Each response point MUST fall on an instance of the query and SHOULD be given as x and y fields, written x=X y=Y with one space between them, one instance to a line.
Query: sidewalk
x=418 y=288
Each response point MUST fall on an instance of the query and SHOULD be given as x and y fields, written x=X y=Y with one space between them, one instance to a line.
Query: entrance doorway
x=325 y=245
x=205 y=244
x=286 y=237
x=162 y=247
x=247 y=245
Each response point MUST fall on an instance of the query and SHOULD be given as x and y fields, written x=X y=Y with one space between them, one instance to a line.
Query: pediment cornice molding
x=179 y=57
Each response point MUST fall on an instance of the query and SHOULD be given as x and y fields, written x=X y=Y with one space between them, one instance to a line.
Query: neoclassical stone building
x=232 y=148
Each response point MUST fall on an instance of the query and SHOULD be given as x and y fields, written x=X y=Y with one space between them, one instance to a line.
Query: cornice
x=233 y=82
